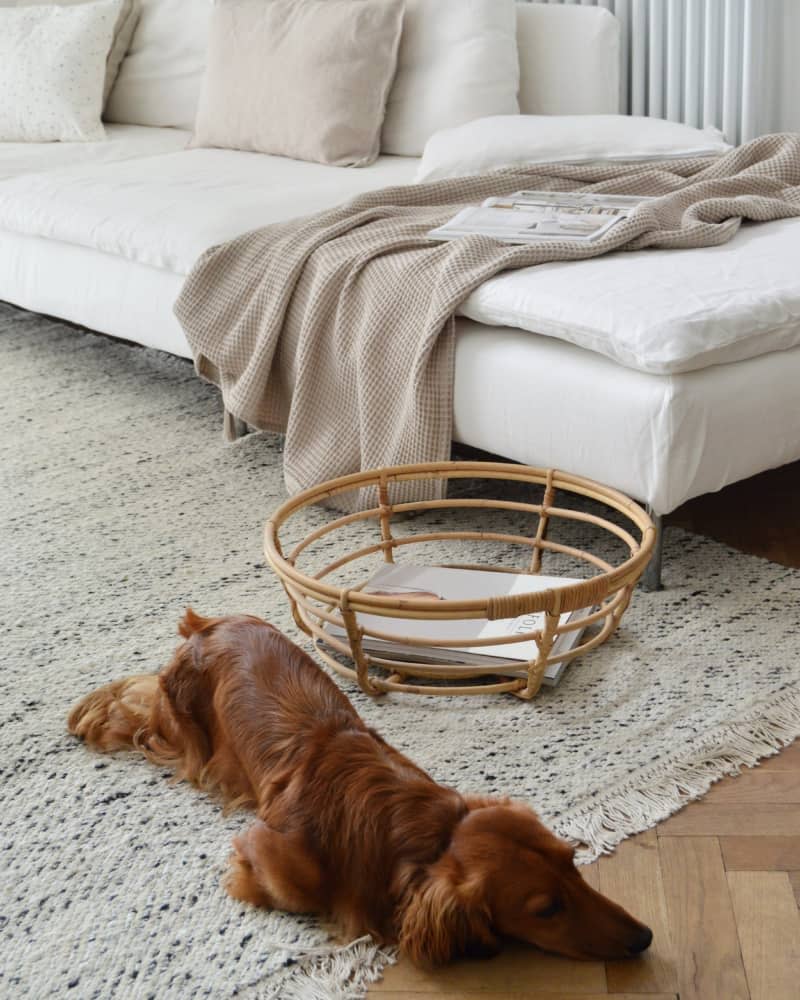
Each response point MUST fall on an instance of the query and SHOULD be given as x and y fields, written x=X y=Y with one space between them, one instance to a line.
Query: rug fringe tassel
x=342 y=972
x=669 y=785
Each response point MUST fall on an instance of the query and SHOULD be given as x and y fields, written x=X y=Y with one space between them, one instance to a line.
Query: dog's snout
x=642 y=941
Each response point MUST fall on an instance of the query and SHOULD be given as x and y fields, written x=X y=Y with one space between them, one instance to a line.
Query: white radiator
x=695 y=61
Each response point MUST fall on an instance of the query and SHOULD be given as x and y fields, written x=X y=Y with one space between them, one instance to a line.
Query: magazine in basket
x=453 y=584
x=534 y=216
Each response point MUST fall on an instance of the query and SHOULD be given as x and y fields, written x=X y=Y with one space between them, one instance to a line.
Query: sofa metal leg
x=233 y=428
x=240 y=428
x=651 y=578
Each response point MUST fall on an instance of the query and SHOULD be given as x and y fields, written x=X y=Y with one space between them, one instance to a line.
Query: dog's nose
x=642 y=941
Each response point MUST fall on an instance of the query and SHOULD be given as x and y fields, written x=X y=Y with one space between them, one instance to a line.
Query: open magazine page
x=531 y=216
x=445 y=583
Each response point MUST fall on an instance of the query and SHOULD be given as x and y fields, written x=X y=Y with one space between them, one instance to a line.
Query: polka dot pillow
x=52 y=71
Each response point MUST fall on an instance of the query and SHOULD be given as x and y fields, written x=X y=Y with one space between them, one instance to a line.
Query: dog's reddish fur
x=348 y=826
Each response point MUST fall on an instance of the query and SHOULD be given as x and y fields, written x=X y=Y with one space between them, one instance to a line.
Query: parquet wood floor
x=719 y=882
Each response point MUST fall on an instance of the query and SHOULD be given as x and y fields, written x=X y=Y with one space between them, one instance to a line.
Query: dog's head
x=506 y=875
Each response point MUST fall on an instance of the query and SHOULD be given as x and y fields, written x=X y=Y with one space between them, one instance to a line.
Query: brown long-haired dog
x=347 y=826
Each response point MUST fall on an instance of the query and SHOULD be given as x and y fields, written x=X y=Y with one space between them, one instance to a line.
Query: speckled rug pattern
x=120 y=505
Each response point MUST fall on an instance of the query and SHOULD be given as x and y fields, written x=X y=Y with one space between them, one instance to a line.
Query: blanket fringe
x=657 y=792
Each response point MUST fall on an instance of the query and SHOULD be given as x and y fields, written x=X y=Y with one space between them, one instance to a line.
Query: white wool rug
x=119 y=506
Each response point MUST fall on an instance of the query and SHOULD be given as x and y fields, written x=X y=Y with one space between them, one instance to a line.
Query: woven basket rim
x=553 y=600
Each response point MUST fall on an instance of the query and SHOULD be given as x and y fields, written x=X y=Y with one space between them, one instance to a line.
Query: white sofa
x=665 y=374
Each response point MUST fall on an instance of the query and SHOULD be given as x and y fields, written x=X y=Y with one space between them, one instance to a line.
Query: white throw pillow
x=123 y=32
x=52 y=71
x=516 y=140
x=159 y=82
x=458 y=61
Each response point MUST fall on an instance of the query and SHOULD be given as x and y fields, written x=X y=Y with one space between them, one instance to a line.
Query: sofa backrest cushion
x=458 y=61
x=569 y=63
x=570 y=59
x=160 y=79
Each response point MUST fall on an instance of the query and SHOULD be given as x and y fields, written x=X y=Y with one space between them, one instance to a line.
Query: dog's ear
x=184 y=683
x=447 y=917
x=181 y=679
x=191 y=623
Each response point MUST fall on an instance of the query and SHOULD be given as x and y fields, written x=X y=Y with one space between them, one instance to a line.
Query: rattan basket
x=316 y=602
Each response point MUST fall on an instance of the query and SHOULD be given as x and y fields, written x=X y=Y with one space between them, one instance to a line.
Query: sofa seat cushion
x=661 y=311
x=122 y=142
x=165 y=211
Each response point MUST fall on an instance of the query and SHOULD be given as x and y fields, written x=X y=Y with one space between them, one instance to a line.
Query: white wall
x=786 y=116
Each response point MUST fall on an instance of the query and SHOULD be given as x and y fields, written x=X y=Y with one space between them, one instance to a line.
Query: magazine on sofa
x=445 y=583
x=532 y=216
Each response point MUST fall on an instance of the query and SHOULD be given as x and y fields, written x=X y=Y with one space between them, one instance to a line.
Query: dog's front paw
x=110 y=717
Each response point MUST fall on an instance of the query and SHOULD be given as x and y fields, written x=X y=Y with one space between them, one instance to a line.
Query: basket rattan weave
x=316 y=603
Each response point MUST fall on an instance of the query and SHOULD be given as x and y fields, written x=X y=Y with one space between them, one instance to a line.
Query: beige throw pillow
x=307 y=79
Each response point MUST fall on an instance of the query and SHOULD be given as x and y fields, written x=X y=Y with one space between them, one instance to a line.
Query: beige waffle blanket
x=338 y=328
